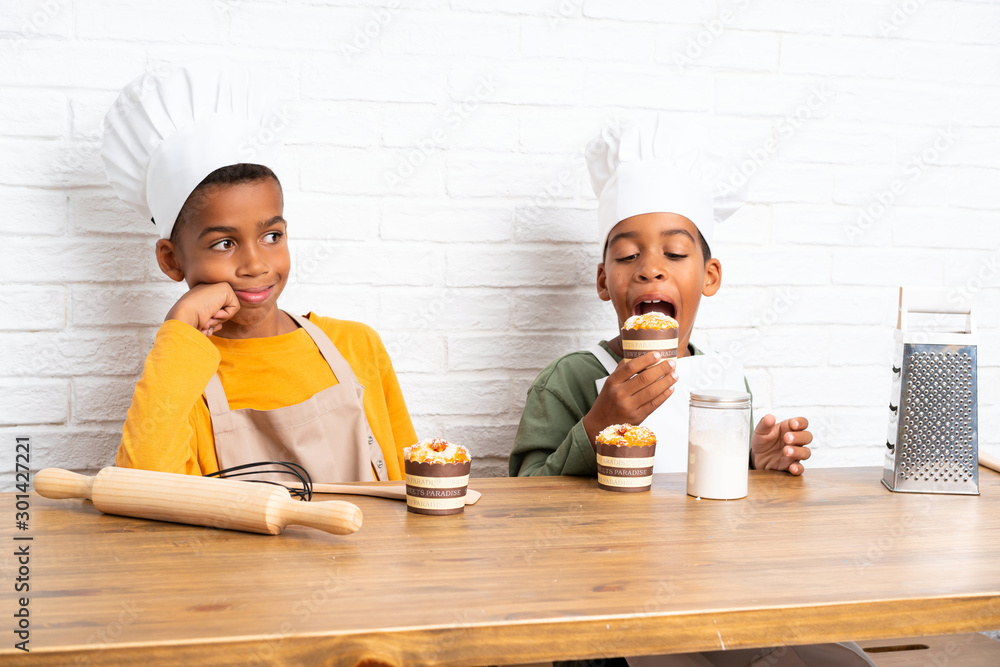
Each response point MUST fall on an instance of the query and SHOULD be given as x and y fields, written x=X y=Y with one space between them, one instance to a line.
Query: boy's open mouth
x=654 y=304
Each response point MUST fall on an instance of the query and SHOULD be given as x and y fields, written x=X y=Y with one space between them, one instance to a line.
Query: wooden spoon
x=393 y=490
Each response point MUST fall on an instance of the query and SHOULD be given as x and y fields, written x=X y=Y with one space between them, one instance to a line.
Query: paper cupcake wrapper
x=623 y=468
x=637 y=342
x=436 y=488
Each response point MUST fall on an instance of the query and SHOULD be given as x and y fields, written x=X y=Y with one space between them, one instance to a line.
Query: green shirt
x=551 y=439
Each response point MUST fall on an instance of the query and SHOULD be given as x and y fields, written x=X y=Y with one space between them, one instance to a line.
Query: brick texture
x=436 y=189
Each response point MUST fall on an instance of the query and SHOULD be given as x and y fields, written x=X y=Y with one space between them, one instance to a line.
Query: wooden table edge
x=521 y=641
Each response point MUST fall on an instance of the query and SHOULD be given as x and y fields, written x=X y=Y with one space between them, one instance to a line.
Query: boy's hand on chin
x=781 y=446
x=206 y=307
x=636 y=388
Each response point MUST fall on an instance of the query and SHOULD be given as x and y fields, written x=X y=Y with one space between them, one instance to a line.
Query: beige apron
x=327 y=434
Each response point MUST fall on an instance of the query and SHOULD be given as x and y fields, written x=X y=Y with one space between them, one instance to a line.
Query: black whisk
x=302 y=491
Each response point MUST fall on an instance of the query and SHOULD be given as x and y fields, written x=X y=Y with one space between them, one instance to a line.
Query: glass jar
x=718 y=444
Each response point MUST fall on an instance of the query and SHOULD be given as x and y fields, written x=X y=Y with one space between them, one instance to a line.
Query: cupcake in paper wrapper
x=625 y=458
x=437 y=476
x=652 y=332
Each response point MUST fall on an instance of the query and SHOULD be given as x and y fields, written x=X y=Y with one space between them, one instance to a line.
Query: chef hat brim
x=662 y=164
x=168 y=130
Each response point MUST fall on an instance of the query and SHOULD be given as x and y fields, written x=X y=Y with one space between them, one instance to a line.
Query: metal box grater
x=933 y=438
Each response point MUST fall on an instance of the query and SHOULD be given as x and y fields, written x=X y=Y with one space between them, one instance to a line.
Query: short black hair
x=706 y=252
x=234 y=174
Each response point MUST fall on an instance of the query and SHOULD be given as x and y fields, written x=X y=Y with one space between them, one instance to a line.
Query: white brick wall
x=436 y=190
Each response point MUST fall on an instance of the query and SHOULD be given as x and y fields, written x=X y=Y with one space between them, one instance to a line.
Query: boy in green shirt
x=657 y=186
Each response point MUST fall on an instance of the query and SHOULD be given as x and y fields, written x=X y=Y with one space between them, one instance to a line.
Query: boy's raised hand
x=636 y=388
x=206 y=307
x=781 y=446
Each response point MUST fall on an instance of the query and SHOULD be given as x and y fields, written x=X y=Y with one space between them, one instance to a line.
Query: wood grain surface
x=539 y=569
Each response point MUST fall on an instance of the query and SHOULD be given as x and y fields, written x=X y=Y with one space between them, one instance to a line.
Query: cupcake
x=437 y=476
x=652 y=332
x=625 y=458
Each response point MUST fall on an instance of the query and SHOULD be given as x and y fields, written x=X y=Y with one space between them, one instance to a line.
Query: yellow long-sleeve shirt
x=169 y=428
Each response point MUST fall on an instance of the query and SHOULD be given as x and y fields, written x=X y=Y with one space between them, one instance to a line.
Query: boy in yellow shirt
x=232 y=379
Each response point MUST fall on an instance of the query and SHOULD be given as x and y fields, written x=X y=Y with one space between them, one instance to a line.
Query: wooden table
x=539 y=569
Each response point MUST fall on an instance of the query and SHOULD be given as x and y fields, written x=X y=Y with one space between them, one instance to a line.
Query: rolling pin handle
x=58 y=483
x=332 y=516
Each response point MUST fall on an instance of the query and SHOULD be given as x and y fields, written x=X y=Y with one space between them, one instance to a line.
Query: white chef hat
x=662 y=164
x=170 y=129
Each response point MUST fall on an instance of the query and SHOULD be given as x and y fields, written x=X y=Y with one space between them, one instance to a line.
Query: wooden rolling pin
x=200 y=501
x=989 y=461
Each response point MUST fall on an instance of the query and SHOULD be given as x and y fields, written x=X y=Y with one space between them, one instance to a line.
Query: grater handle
x=935 y=300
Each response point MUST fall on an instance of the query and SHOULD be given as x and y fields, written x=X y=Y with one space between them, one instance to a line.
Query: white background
x=477 y=267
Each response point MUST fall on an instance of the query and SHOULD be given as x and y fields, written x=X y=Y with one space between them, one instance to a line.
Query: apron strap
x=215 y=395
x=605 y=358
x=341 y=369
x=345 y=375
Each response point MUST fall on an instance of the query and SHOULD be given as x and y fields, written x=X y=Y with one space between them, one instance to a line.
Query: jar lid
x=720 y=398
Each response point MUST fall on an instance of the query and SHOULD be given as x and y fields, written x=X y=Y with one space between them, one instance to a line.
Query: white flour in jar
x=718 y=453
